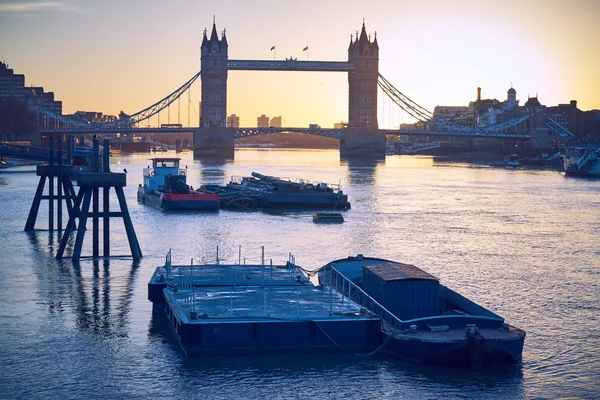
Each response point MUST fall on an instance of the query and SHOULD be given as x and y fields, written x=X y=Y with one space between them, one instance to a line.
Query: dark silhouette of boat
x=269 y=192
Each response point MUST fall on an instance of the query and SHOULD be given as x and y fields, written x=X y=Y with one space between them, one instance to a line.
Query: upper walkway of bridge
x=289 y=65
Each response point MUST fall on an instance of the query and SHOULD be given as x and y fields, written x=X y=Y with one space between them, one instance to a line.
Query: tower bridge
x=361 y=136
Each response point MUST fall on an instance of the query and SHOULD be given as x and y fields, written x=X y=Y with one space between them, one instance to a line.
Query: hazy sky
x=111 y=55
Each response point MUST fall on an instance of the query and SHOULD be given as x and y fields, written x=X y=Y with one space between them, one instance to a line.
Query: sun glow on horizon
x=437 y=53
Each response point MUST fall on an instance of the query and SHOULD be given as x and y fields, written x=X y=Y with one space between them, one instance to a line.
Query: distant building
x=340 y=125
x=543 y=133
x=12 y=88
x=233 y=121
x=275 y=122
x=92 y=117
x=263 y=121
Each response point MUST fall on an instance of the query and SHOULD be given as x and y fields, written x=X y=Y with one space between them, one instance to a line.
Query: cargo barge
x=423 y=320
x=361 y=305
x=165 y=188
x=234 y=309
x=268 y=192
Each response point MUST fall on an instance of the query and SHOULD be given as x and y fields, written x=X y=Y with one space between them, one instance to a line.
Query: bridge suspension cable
x=421 y=114
x=159 y=105
x=403 y=101
x=415 y=110
x=130 y=120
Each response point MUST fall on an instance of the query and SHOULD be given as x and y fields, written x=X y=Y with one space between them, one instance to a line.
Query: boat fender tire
x=182 y=173
x=152 y=173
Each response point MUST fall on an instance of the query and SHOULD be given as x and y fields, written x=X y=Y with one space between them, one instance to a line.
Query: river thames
x=522 y=243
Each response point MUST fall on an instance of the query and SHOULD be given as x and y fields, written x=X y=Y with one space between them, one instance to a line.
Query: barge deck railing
x=333 y=279
x=261 y=290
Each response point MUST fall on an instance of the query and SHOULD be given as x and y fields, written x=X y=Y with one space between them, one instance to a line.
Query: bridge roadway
x=325 y=132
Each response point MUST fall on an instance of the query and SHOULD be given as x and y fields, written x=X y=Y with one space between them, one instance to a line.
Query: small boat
x=582 y=162
x=165 y=188
x=423 y=320
x=328 y=217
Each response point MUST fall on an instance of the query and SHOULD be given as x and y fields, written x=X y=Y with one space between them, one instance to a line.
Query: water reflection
x=48 y=247
x=99 y=291
x=212 y=171
x=336 y=375
x=361 y=171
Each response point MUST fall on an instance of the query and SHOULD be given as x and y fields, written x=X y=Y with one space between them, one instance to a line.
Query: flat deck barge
x=238 y=309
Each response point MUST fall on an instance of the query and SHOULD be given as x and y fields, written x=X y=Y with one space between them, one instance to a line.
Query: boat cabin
x=155 y=178
x=406 y=291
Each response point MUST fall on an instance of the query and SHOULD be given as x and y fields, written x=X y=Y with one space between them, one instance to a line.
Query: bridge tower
x=212 y=139
x=362 y=137
x=362 y=82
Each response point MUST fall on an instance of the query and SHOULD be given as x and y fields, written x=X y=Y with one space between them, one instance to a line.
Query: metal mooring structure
x=90 y=184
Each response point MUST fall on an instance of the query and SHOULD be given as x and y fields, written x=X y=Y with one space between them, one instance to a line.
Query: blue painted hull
x=277 y=310
x=457 y=333
x=457 y=352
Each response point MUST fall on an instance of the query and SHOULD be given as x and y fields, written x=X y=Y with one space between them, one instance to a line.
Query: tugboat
x=165 y=188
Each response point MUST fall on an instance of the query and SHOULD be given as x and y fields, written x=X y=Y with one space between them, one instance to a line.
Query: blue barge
x=233 y=309
x=423 y=320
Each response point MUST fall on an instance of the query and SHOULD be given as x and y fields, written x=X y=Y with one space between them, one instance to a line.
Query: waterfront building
x=92 y=117
x=233 y=121
x=482 y=112
x=275 y=122
x=262 y=121
x=14 y=93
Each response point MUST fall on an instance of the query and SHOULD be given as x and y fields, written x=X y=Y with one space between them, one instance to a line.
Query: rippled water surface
x=523 y=243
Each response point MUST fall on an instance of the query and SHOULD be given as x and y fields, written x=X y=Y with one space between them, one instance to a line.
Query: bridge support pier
x=90 y=184
x=214 y=143
x=362 y=143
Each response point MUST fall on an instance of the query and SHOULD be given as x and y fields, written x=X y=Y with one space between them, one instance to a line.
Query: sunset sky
x=111 y=55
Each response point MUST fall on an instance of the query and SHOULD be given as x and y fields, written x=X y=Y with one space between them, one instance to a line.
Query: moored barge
x=165 y=188
x=423 y=320
x=269 y=192
x=233 y=309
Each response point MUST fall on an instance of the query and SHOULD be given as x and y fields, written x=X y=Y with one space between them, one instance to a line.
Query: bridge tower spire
x=213 y=64
x=362 y=82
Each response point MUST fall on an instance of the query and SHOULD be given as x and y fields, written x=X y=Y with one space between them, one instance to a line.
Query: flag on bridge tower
x=304 y=49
